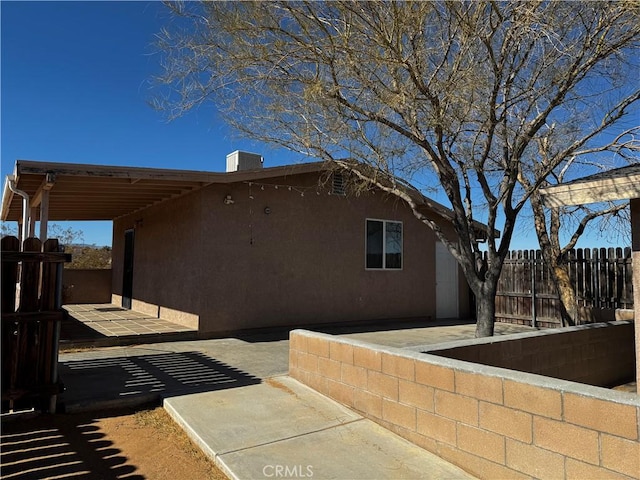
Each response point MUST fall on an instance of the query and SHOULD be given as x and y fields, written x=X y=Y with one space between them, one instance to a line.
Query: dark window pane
x=393 y=245
x=374 y=243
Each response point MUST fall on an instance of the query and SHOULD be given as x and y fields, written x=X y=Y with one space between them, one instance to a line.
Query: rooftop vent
x=243 y=161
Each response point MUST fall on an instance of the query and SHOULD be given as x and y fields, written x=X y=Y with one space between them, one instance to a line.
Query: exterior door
x=447 y=297
x=127 y=278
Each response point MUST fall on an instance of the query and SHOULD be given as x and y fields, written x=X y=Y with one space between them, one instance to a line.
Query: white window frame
x=384 y=245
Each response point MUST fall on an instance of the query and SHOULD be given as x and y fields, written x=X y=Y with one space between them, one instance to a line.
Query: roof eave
x=592 y=191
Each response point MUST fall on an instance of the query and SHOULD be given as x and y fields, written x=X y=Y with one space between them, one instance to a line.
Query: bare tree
x=611 y=217
x=450 y=94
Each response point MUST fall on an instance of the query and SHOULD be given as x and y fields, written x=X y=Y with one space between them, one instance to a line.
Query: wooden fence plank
x=9 y=275
x=602 y=279
x=29 y=332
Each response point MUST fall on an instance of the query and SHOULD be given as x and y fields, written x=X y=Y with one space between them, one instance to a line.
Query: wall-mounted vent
x=338 y=184
x=243 y=161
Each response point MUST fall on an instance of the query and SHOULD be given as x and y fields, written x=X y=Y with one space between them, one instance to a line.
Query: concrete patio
x=234 y=399
x=106 y=324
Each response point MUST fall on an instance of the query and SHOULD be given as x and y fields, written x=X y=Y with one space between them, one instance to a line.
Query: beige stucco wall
x=167 y=267
x=236 y=267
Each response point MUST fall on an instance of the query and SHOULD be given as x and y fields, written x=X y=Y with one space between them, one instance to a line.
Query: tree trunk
x=567 y=294
x=485 y=312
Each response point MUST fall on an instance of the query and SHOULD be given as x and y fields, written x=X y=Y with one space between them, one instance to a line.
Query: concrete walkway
x=233 y=397
x=280 y=428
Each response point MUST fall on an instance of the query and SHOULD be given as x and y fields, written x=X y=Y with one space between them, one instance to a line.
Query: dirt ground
x=115 y=444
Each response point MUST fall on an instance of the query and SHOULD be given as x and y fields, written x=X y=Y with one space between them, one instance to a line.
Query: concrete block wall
x=601 y=355
x=86 y=286
x=490 y=421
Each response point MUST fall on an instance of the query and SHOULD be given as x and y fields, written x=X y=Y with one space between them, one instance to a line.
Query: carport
x=46 y=191
x=613 y=185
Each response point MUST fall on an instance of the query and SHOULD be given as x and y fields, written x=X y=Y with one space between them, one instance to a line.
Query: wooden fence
x=31 y=322
x=602 y=279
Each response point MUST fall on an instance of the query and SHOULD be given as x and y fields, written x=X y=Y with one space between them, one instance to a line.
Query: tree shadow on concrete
x=62 y=447
x=118 y=381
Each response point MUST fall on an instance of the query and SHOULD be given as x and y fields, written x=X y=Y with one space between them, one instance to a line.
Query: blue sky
x=75 y=86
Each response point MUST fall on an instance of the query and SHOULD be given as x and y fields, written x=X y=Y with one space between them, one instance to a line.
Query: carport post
x=44 y=215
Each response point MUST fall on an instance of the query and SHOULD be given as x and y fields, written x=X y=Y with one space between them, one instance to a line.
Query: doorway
x=127 y=276
x=447 y=297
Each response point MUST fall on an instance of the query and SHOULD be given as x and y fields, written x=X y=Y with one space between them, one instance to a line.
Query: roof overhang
x=619 y=184
x=79 y=192
x=100 y=192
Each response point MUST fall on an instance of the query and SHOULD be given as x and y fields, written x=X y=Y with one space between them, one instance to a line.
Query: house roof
x=100 y=192
x=617 y=184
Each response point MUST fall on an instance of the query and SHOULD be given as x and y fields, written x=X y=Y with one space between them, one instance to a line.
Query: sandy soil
x=114 y=444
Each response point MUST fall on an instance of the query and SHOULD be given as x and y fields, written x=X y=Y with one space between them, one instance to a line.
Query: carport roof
x=100 y=192
x=618 y=184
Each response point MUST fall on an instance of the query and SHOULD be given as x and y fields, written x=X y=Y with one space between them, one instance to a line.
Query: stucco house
x=252 y=247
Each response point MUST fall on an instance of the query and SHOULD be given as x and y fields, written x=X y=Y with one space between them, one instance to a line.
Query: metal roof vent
x=338 y=184
x=243 y=161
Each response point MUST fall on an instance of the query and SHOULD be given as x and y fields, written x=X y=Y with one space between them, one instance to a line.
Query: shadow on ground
x=52 y=446
x=72 y=329
x=145 y=378
x=275 y=334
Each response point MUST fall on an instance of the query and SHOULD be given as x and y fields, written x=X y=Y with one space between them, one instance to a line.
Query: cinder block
x=398 y=366
x=382 y=384
x=506 y=421
x=534 y=461
x=416 y=395
x=479 y=386
x=456 y=407
x=308 y=362
x=570 y=440
x=399 y=414
x=534 y=399
x=621 y=455
x=355 y=376
x=298 y=342
x=302 y=376
x=341 y=352
x=368 y=403
x=602 y=415
x=368 y=358
x=329 y=368
x=341 y=392
x=435 y=376
x=577 y=470
x=293 y=359
x=318 y=383
x=478 y=466
x=318 y=346
x=436 y=427
x=490 y=446
x=422 y=441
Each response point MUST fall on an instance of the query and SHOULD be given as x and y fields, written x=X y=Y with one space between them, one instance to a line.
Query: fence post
x=58 y=306
x=533 y=290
